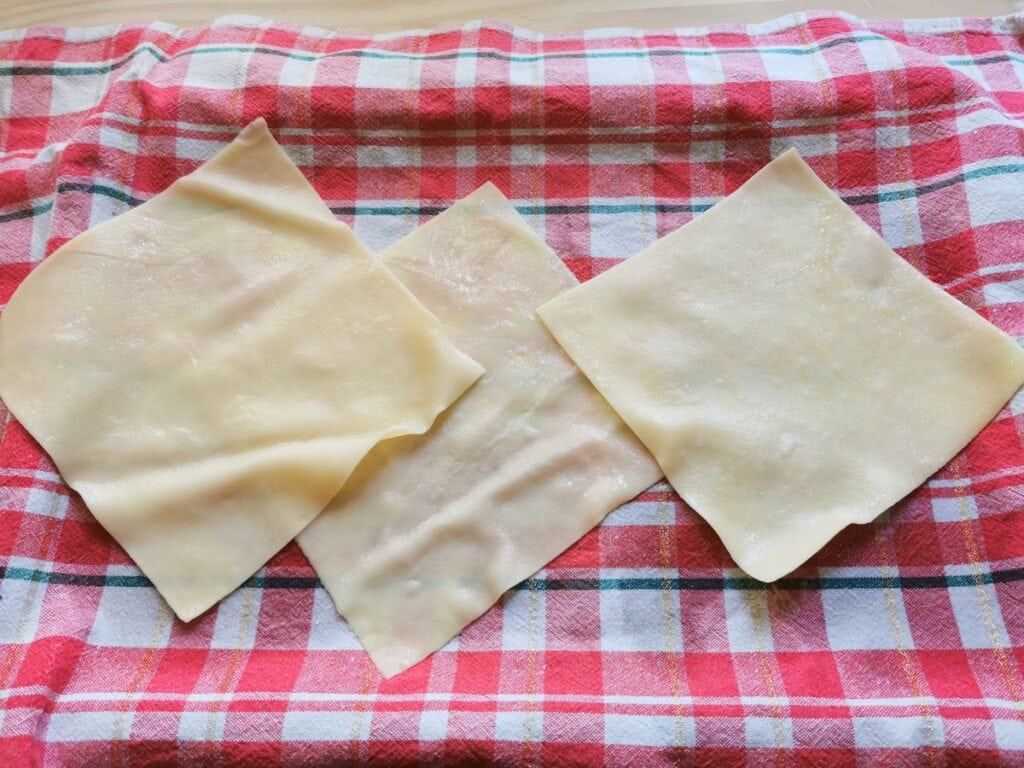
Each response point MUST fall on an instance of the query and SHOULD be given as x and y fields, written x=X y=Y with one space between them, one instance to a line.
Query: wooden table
x=541 y=15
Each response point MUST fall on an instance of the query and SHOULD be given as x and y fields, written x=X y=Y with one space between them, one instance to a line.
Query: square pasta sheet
x=431 y=530
x=208 y=368
x=789 y=371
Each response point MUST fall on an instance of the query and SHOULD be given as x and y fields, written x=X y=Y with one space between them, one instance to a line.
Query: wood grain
x=541 y=15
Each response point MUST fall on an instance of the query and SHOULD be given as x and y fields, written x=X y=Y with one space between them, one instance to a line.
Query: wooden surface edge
x=372 y=17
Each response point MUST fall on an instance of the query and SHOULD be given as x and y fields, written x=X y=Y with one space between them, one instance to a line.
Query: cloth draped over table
x=900 y=643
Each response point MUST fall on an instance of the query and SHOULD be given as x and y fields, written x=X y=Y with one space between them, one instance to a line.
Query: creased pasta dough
x=432 y=529
x=208 y=368
x=790 y=372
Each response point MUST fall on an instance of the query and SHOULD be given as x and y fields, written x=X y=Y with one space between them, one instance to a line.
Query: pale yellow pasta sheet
x=207 y=369
x=789 y=371
x=432 y=529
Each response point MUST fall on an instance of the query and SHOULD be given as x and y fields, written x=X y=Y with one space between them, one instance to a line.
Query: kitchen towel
x=899 y=644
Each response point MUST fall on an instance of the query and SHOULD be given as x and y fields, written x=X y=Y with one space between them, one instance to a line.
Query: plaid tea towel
x=902 y=643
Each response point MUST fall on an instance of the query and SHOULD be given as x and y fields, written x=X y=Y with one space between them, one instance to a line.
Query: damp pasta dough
x=432 y=529
x=207 y=369
x=789 y=371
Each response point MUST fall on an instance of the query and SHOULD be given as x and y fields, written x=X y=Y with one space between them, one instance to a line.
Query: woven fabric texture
x=899 y=644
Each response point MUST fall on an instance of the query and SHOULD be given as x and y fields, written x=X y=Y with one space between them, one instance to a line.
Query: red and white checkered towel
x=902 y=643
